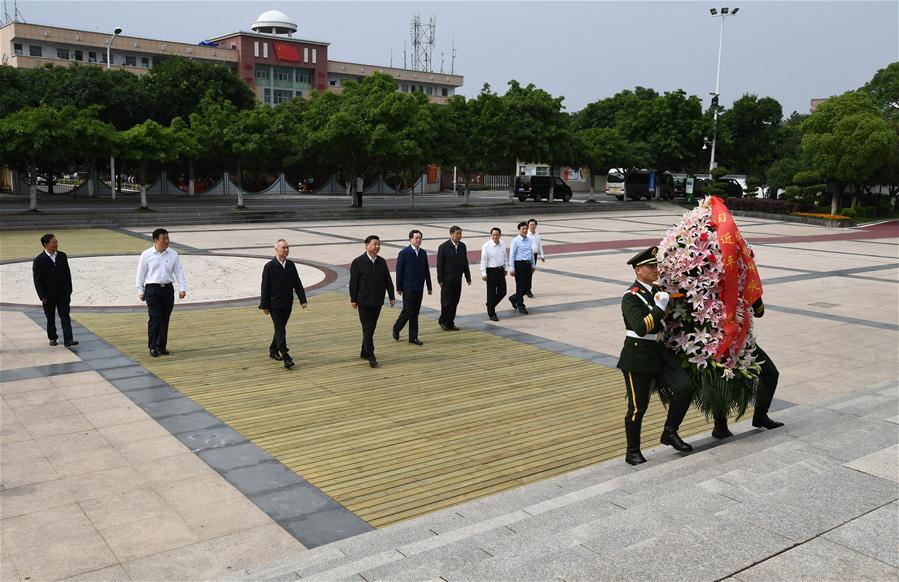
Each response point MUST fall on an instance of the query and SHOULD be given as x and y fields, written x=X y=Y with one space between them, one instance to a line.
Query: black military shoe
x=275 y=356
x=154 y=353
x=163 y=352
x=763 y=421
x=288 y=363
x=721 y=431
x=671 y=438
x=70 y=343
x=634 y=458
x=396 y=335
x=417 y=342
x=54 y=343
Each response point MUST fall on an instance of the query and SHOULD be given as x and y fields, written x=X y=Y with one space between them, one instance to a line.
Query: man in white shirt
x=536 y=246
x=493 y=270
x=157 y=271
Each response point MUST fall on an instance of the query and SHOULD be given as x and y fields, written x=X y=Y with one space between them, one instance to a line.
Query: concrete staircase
x=819 y=494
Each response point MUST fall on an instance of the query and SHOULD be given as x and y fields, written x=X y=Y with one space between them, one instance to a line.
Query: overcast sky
x=792 y=51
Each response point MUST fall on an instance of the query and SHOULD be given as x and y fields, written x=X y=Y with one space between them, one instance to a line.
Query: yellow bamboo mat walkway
x=26 y=244
x=466 y=415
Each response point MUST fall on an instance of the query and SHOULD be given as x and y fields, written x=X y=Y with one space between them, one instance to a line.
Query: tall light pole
x=115 y=33
x=725 y=11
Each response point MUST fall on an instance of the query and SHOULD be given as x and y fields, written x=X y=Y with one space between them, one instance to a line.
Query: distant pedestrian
x=53 y=283
x=493 y=270
x=157 y=270
x=369 y=280
x=521 y=266
x=452 y=265
x=537 y=247
x=412 y=274
x=280 y=280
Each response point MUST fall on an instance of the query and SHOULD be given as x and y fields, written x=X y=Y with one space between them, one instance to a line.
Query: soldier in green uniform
x=645 y=359
x=767 y=385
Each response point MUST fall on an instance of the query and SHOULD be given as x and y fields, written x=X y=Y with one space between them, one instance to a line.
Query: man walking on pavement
x=53 y=283
x=412 y=273
x=452 y=265
x=493 y=270
x=280 y=280
x=369 y=280
x=521 y=266
x=157 y=270
x=536 y=247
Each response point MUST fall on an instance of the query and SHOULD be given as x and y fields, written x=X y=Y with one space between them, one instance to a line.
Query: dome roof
x=274 y=21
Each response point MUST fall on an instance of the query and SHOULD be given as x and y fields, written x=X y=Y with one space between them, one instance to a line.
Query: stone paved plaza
x=487 y=454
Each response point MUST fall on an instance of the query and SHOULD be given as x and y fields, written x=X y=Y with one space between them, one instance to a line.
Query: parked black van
x=537 y=187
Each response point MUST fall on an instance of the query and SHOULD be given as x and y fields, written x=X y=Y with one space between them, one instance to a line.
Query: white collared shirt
x=160 y=268
x=647 y=286
x=283 y=263
x=372 y=258
x=536 y=243
x=414 y=249
x=52 y=257
x=492 y=255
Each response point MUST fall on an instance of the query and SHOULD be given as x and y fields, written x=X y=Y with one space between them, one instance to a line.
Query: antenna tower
x=423 y=38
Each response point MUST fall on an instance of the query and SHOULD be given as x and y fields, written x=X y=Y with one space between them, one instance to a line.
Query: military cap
x=647 y=257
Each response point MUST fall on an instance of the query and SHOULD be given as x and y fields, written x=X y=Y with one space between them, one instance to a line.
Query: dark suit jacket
x=643 y=316
x=369 y=281
x=53 y=281
x=279 y=284
x=452 y=262
x=412 y=272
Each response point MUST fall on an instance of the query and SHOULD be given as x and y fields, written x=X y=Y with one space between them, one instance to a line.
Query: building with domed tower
x=270 y=58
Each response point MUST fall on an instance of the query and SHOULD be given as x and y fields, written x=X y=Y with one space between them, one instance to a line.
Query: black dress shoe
x=396 y=335
x=522 y=309
x=417 y=342
x=54 y=343
x=494 y=317
x=275 y=356
x=634 y=458
x=721 y=431
x=765 y=422
x=529 y=294
x=163 y=352
x=154 y=353
x=288 y=363
x=373 y=362
x=71 y=343
x=513 y=302
x=671 y=438
x=444 y=327
x=453 y=328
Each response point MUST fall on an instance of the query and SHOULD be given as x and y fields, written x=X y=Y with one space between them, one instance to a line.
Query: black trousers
x=368 y=316
x=531 y=282
x=767 y=383
x=524 y=272
x=496 y=288
x=279 y=339
x=450 y=293
x=160 y=302
x=411 y=307
x=59 y=305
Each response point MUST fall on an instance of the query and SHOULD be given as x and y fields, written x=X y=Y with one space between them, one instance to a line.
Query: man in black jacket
x=369 y=280
x=53 y=283
x=280 y=280
x=452 y=264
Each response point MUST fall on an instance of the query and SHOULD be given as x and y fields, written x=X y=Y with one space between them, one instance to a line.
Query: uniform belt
x=157 y=284
x=653 y=337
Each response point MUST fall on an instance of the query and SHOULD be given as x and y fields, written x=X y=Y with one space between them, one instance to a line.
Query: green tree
x=845 y=141
x=749 y=134
x=177 y=86
x=780 y=175
x=884 y=89
x=149 y=143
x=91 y=139
x=35 y=138
x=247 y=135
x=210 y=126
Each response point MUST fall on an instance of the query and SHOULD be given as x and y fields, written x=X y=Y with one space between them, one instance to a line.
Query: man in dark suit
x=369 y=280
x=53 y=283
x=280 y=280
x=412 y=273
x=645 y=359
x=452 y=265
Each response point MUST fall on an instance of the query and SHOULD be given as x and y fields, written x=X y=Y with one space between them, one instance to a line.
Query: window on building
x=262 y=75
x=282 y=96
x=62 y=54
x=35 y=51
x=429 y=90
x=283 y=75
x=130 y=61
x=103 y=58
x=304 y=77
x=314 y=56
x=91 y=57
x=267 y=96
x=79 y=55
x=332 y=82
x=17 y=49
x=145 y=62
x=404 y=88
x=305 y=54
x=265 y=50
x=256 y=48
x=444 y=91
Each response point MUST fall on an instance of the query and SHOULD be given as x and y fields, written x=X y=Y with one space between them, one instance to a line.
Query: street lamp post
x=115 y=33
x=725 y=11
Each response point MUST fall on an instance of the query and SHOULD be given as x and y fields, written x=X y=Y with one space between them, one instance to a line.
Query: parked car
x=732 y=188
x=538 y=187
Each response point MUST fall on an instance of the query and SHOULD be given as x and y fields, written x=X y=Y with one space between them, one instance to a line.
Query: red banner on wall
x=735 y=255
x=287 y=52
